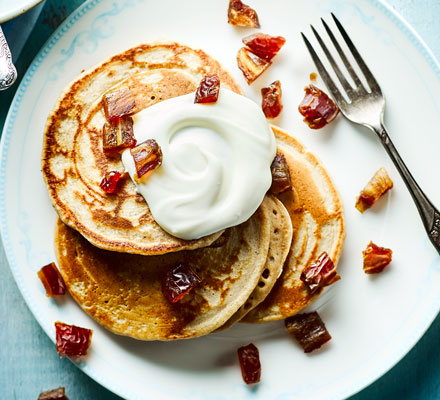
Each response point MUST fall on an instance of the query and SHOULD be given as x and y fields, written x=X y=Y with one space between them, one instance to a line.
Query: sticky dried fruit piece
x=54 y=394
x=309 y=330
x=147 y=156
x=71 y=340
x=52 y=280
x=118 y=135
x=249 y=358
x=178 y=282
x=317 y=108
x=251 y=65
x=320 y=273
x=264 y=46
x=280 y=175
x=109 y=183
x=378 y=185
x=240 y=14
x=208 y=90
x=119 y=103
x=376 y=258
x=271 y=104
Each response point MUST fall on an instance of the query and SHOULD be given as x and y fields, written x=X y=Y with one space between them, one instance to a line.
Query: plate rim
x=381 y=5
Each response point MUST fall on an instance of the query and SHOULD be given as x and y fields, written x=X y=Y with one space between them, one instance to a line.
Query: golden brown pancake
x=123 y=291
x=317 y=218
x=279 y=246
x=73 y=162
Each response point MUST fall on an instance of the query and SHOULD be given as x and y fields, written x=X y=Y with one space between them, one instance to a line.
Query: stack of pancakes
x=113 y=255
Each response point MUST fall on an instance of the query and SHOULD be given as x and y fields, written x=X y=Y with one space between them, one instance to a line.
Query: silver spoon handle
x=8 y=73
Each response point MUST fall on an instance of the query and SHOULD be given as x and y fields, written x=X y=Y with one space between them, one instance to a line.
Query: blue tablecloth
x=28 y=362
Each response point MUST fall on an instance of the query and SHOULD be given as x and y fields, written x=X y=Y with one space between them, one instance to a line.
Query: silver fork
x=367 y=108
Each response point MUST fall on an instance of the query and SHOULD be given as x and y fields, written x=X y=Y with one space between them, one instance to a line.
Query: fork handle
x=429 y=214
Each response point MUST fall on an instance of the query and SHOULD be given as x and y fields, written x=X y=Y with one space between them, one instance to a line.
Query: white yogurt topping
x=216 y=162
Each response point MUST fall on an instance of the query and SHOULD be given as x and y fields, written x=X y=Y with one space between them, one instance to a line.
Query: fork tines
x=359 y=87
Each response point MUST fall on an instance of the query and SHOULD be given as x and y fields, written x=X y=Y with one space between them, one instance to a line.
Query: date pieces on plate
x=109 y=183
x=118 y=135
x=240 y=14
x=178 y=282
x=320 y=273
x=271 y=104
x=147 y=156
x=251 y=65
x=263 y=45
x=118 y=104
x=280 y=175
x=52 y=280
x=208 y=90
x=249 y=358
x=376 y=258
x=378 y=185
x=72 y=341
x=256 y=58
x=317 y=108
x=309 y=330
x=54 y=394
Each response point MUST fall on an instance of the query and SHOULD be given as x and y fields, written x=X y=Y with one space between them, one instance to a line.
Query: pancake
x=73 y=162
x=279 y=246
x=123 y=291
x=317 y=217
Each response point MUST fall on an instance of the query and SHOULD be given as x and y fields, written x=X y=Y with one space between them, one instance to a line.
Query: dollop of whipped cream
x=216 y=162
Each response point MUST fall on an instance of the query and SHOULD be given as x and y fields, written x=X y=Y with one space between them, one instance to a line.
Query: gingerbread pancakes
x=73 y=161
x=112 y=253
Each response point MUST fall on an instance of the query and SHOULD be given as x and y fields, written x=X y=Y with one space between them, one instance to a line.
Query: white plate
x=374 y=321
x=13 y=8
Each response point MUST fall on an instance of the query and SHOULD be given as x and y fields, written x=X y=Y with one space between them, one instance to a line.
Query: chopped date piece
x=249 y=358
x=378 y=185
x=272 y=105
x=54 y=394
x=208 y=90
x=319 y=274
x=376 y=258
x=147 y=156
x=251 y=65
x=308 y=329
x=52 y=280
x=71 y=340
x=280 y=175
x=364 y=202
x=264 y=46
x=118 y=135
x=240 y=14
x=178 y=282
x=317 y=108
x=109 y=183
x=119 y=103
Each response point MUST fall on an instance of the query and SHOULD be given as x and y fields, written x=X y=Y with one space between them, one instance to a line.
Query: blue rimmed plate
x=374 y=321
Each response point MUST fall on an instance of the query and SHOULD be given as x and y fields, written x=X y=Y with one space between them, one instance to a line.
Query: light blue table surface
x=29 y=362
